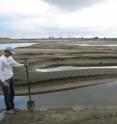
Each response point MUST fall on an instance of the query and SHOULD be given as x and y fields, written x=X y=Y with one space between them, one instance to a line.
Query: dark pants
x=9 y=94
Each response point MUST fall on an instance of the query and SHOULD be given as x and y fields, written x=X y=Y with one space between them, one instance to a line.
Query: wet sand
x=64 y=116
x=63 y=52
x=51 y=53
x=2 y=115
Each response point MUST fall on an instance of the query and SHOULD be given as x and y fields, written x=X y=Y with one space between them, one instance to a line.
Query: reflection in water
x=99 y=95
x=2 y=115
x=68 y=68
x=20 y=102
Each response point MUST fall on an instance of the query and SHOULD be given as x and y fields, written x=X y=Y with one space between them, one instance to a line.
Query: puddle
x=15 y=45
x=69 y=68
x=94 y=96
x=94 y=45
x=20 y=102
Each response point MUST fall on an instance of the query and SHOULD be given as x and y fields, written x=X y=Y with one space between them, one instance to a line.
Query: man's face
x=8 y=53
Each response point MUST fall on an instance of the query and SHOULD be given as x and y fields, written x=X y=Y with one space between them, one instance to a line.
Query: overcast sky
x=35 y=18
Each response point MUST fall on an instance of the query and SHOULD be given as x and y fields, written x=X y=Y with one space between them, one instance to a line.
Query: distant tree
x=53 y=36
x=82 y=37
x=96 y=38
x=105 y=38
x=50 y=37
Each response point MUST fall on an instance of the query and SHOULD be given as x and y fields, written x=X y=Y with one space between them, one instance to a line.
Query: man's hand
x=5 y=85
x=26 y=63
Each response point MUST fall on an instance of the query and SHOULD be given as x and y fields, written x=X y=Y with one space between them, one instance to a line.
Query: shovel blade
x=30 y=105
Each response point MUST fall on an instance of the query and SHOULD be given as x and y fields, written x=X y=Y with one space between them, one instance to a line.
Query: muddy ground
x=63 y=116
x=63 y=52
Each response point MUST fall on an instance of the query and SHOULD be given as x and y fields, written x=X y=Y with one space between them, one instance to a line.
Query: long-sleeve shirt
x=6 y=67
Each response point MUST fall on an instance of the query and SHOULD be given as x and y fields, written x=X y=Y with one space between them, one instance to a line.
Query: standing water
x=69 y=68
x=93 y=96
x=15 y=45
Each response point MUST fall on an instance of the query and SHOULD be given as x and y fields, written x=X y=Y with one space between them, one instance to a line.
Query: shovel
x=30 y=103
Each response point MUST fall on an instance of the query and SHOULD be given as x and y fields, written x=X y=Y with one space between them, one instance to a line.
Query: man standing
x=6 y=77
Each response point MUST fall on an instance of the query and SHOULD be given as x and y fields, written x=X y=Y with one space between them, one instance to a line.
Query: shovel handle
x=28 y=81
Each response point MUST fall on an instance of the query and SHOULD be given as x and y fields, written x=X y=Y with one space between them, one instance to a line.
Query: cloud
x=33 y=18
x=23 y=7
x=73 y=4
x=99 y=17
